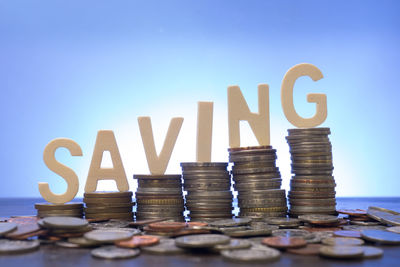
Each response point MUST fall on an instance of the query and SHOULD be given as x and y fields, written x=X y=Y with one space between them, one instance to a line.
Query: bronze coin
x=138 y=241
x=347 y=233
x=284 y=242
x=167 y=226
x=309 y=250
x=22 y=230
x=200 y=224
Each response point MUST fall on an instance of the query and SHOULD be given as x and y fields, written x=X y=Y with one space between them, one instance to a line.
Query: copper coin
x=138 y=241
x=309 y=250
x=189 y=231
x=199 y=224
x=167 y=226
x=22 y=230
x=347 y=233
x=284 y=242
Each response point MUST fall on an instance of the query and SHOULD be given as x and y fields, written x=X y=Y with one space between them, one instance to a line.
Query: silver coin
x=365 y=223
x=363 y=227
x=381 y=236
x=83 y=242
x=251 y=255
x=283 y=222
x=17 y=246
x=113 y=252
x=394 y=229
x=372 y=252
x=318 y=218
x=201 y=241
x=64 y=223
x=7 y=227
x=166 y=246
x=293 y=233
x=231 y=222
x=249 y=232
x=233 y=244
x=384 y=215
x=108 y=235
x=65 y=244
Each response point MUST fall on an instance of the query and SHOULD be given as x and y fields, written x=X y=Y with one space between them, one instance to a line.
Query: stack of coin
x=159 y=197
x=257 y=181
x=208 y=190
x=312 y=187
x=108 y=205
x=73 y=209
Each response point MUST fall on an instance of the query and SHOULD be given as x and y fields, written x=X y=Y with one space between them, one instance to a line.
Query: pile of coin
x=108 y=205
x=208 y=190
x=55 y=210
x=159 y=197
x=257 y=181
x=312 y=187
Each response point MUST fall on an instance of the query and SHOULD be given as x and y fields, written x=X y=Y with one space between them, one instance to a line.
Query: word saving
x=238 y=110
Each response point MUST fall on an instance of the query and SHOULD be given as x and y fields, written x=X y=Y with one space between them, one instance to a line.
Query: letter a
x=158 y=164
x=66 y=173
x=105 y=141
x=238 y=110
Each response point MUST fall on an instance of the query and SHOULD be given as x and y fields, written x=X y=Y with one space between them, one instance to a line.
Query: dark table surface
x=50 y=255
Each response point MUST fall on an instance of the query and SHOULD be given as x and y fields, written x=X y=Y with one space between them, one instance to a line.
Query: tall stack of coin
x=159 y=197
x=208 y=190
x=312 y=187
x=258 y=182
x=108 y=205
x=56 y=210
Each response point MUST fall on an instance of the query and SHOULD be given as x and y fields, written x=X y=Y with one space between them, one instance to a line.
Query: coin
x=64 y=223
x=381 y=236
x=384 y=215
x=309 y=250
x=342 y=241
x=372 y=252
x=167 y=226
x=342 y=252
x=284 y=222
x=165 y=246
x=107 y=194
x=113 y=252
x=233 y=244
x=65 y=244
x=344 y=233
x=7 y=227
x=108 y=236
x=284 y=242
x=251 y=255
x=249 y=232
x=318 y=218
x=138 y=241
x=394 y=229
x=292 y=233
x=83 y=242
x=201 y=241
x=17 y=246
x=231 y=222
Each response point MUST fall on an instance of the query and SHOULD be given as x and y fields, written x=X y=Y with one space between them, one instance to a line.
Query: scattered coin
x=113 y=252
x=17 y=246
x=342 y=252
x=249 y=232
x=319 y=218
x=233 y=244
x=381 y=236
x=292 y=233
x=167 y=226
x=284 y=242
x=284 y=222
x=108 y=236
x=64 y=223
x=344 y=233
x=372 y=252
x=394 y=229
x=83 y=242
x=309 y=250
x=66 y=244
x=251 y=255
x=384 y=215
x=201 y=241
x=165 y=246
x=6 y=227
x=230 y=222
x=138 y=241
x=342 y=241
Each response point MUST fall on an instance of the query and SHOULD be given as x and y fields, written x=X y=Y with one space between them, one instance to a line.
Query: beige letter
x=105 y=141
x=158 y=164
x=238 y=110
x=204 y=131
x=66 y=173
x=290 y=78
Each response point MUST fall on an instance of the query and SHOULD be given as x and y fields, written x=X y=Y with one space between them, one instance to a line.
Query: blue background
x=71 y=68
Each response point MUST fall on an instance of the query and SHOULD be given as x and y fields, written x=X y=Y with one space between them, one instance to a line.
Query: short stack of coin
x=159 y=197
x=208 y=190
x=257 y=181
x=56 y=210
x=312 y=187
x=108 y=205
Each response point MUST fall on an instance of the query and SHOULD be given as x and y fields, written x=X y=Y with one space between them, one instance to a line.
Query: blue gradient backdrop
x=71 y=68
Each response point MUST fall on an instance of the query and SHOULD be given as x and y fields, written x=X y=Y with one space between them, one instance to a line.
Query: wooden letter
x=290 y=78
x=204 y=131
x=158 y=164
x=66 y=173
x=238 y=110
x=105 y=141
